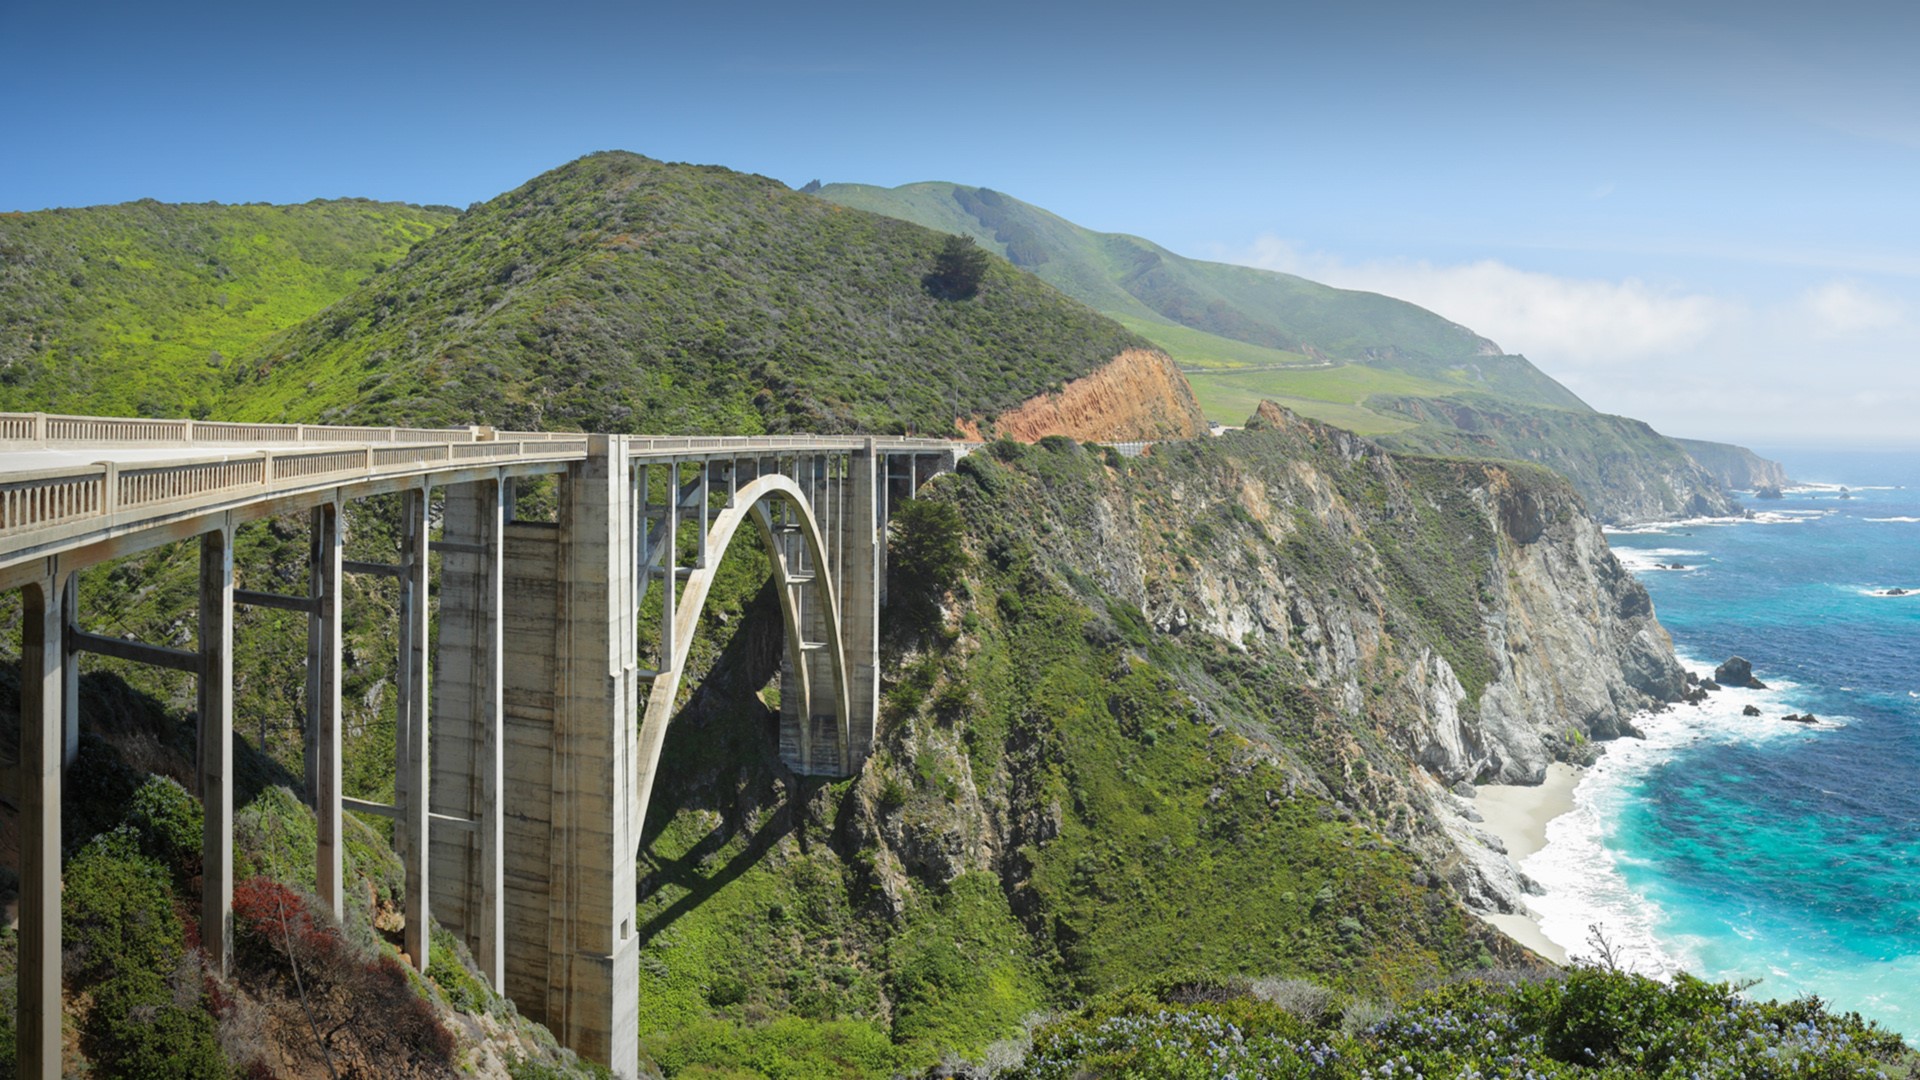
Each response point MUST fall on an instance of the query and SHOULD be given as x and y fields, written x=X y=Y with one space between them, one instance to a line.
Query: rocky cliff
x=1138 y=395
x=1625 y=470
x=1736 y=467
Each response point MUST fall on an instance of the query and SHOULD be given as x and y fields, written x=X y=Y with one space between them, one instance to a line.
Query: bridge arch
x=754 y=501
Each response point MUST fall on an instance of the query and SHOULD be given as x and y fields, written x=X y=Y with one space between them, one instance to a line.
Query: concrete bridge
x=529 y=729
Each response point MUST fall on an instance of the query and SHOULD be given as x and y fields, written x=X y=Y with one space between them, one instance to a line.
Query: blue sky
x=1699 y=214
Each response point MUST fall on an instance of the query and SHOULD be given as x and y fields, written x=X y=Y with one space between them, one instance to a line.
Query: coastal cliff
x=1736 y=467
x=1626 y=471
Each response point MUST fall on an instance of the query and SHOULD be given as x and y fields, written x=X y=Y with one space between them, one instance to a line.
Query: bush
x=168 y=822
x=126 y=945
x=1591 y=1022
x=118 y=911
x=278 y=931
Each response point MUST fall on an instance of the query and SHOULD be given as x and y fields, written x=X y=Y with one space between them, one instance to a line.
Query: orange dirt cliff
x=1137 y=395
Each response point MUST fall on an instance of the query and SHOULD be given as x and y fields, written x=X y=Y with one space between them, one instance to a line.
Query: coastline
x=1518 y=814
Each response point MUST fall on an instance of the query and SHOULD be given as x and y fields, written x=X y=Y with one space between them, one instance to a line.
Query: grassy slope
x=142 y=308
x=625 y=294
x=1193 y=308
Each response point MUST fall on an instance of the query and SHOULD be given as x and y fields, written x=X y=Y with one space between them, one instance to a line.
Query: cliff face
x=1625 y=470
x=1735 y=467
x=1375 y=627
x=1482 y=588
x=1138 y=395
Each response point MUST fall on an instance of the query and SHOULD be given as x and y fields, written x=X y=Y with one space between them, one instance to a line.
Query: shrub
x=278 y=931
x=168 y=822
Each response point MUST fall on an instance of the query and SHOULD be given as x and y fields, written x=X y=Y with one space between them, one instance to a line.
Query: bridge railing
x=77 y=497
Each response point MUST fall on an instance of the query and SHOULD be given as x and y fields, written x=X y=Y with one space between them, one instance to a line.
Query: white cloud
x=1579 y=321
x=1847 y=307
x=1837 y=362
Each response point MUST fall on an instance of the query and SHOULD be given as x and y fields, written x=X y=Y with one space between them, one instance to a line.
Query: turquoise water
x=1754 y=848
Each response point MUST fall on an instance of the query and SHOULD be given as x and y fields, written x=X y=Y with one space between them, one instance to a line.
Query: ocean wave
x=1641 y=560
x=1579 y=869
x=1887 y=592
x=1903 y=520
x=1760 y=517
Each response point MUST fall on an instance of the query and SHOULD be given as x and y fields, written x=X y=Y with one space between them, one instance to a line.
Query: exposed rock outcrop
x=1139 y=395
x=1736 y=467
x=1737 y=671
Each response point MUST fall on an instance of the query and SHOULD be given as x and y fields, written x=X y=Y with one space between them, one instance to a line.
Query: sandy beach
x=1518 y=815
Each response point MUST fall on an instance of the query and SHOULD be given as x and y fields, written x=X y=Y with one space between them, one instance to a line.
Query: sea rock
x=1895 y=591
x=1709 y=684
x=1750 y=710
x=1692 y=679
x=1799 y=719
x=1735 y=672
x=1769 y=491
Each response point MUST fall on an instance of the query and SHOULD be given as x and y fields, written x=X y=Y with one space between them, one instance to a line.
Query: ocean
x=1753 y=848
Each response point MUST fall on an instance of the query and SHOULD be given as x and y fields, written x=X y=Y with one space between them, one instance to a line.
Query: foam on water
x=1580 y=866
x=1651 y=559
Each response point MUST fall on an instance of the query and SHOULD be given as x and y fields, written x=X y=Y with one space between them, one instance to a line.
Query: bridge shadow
x=126 y=735
x=722 y=755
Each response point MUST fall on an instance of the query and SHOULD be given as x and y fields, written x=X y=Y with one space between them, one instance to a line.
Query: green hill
x=1368 y=363
x=621 y=293
x=142 y=308
x=1195 y=309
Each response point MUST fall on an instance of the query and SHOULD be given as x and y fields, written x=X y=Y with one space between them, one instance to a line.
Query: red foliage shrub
x=276 y=930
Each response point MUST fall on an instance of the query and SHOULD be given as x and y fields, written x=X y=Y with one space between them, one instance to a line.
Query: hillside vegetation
x=1182 y=303
x=1364 y=362
x=143 y=309
x=619 y=293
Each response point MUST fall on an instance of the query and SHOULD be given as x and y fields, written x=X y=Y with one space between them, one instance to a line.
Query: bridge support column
x=216 y=747
x=468 y=885
x=864 y=545
x=43 y=665
x=323 y=701
x=594 y=996
x=810 y=741
x=571 y=710
x=411 y=773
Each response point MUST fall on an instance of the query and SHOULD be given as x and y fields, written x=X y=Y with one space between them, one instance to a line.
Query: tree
x=924 y=560
x=957 y=270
